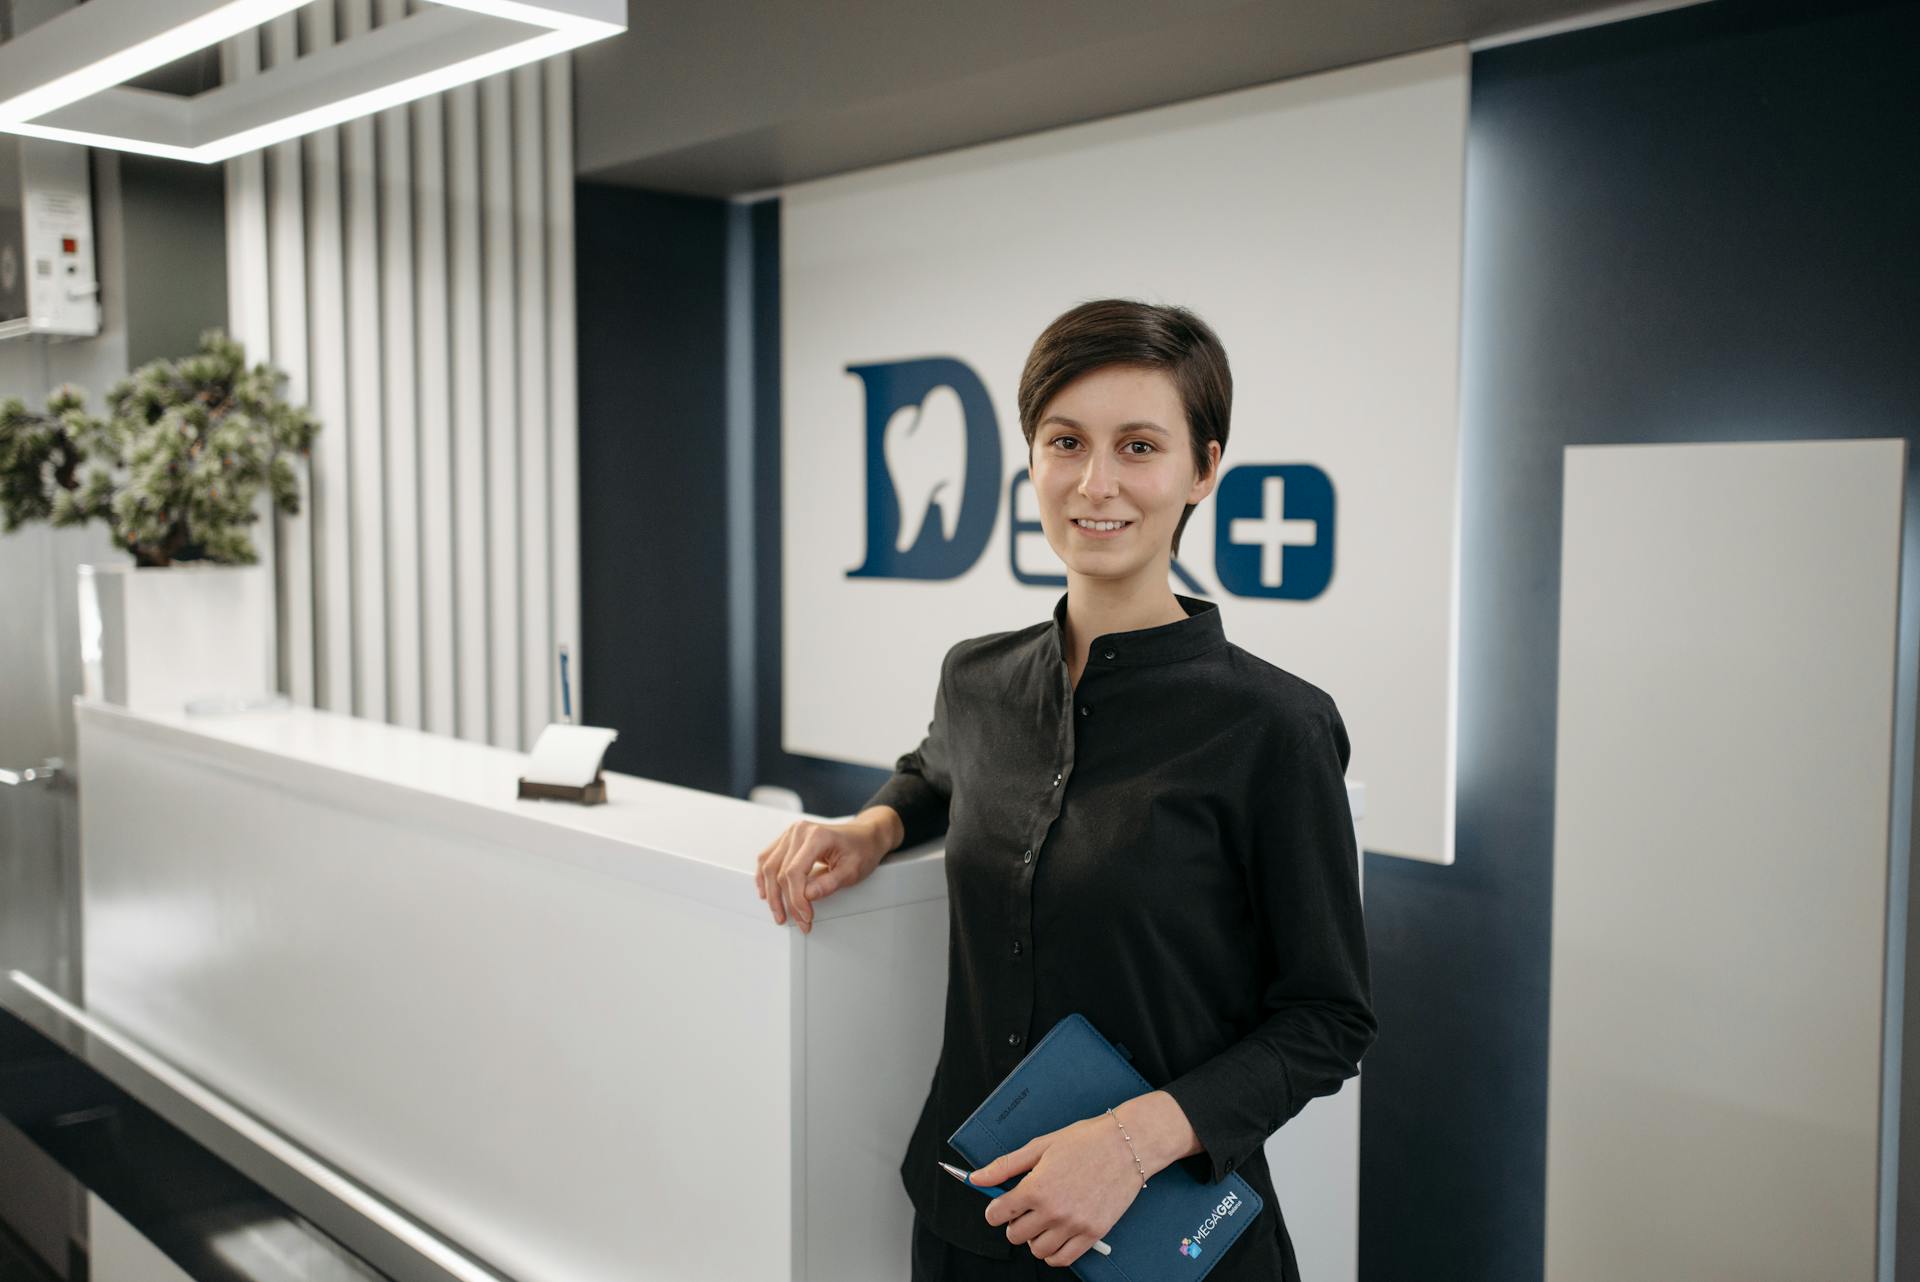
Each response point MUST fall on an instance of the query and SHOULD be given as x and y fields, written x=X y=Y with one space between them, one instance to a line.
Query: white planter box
x=154 y=637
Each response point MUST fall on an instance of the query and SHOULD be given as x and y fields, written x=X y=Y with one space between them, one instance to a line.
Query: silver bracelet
x=1129 y=1139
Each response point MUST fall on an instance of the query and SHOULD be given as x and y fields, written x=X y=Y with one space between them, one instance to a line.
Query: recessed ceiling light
x=70 y=70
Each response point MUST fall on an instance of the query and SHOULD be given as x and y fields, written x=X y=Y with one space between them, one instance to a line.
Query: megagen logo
x=1225 y=1209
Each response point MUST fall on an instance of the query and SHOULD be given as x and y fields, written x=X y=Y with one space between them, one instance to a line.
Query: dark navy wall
x=654 y=622
x=1696 y=226
x=827 y=787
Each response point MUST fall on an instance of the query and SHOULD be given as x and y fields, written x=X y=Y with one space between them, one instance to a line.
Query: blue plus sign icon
x=1273 y=531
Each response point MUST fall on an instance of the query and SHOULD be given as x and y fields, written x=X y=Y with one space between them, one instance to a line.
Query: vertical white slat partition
x=287 y=287
x=249 y=305
x=401 y=409
x=563 y=392
x=327 y=364
x=465 y=299
x=530 y=219
x=435 y=363
x=365 y=403
x=413 y=275
x=504 y=582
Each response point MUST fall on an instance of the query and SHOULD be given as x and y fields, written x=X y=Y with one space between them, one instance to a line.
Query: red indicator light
x=68 y=245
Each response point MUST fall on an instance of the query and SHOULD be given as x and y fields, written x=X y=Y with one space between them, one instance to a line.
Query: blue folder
x=1177 y=1227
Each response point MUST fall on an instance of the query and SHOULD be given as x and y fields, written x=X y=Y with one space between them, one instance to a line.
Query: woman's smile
x=1101 y=529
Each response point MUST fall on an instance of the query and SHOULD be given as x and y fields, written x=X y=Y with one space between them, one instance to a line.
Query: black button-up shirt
x=1168 y=850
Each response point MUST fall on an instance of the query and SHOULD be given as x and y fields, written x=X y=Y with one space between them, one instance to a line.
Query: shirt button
x=1108 y=653
x=1084 y=709
x=1026 y=856
x=1016 y=948
x=1056 y=779
x=1013 y=1039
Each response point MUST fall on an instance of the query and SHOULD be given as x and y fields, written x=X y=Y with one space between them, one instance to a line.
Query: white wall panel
x=1316 y=225
x=413 y=275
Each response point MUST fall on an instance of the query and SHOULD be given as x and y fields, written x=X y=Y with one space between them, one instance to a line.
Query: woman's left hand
x=1081 y=1179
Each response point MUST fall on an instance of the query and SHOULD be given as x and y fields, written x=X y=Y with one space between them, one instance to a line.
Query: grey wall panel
x=175 y=229
x=1722 y=810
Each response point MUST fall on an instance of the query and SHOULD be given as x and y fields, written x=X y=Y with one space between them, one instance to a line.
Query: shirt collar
x=1199 y=632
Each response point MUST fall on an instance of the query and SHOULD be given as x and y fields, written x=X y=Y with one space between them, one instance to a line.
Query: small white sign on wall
x=1316 y=225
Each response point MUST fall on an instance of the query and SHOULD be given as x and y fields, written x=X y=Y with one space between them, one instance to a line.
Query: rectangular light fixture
x=65 y=77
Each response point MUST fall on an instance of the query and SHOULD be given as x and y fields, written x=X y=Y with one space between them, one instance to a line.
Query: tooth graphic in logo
x=926 y=452
x=933 y=445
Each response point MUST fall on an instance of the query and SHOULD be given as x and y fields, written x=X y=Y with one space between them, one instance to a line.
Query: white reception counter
x=569 y=1038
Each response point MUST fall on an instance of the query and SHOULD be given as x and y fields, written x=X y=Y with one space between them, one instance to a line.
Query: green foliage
x=175 y=467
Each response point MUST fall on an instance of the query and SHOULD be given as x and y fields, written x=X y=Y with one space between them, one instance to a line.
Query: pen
x=995 y=1191
x=566 y=692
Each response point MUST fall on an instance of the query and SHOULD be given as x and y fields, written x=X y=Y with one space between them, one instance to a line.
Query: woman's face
x=1114 y=445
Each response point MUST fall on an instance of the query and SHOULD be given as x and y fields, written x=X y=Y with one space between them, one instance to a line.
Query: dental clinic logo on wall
x=928 y=421
x=933 y=468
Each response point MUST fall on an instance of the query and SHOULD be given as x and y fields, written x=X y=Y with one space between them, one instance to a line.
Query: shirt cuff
x=1212 y=1096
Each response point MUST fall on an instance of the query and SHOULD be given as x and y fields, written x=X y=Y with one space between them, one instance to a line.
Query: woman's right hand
x=851 y=851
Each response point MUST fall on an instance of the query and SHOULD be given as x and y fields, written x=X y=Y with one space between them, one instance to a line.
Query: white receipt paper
x=570 y=755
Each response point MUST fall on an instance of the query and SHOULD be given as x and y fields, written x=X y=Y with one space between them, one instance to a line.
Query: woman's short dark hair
x=1121 y=331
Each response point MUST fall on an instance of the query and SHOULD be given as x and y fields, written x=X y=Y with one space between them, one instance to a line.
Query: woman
x=1144 y=823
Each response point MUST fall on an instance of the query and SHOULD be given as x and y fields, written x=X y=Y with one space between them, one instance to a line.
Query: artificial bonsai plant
x=175 y=466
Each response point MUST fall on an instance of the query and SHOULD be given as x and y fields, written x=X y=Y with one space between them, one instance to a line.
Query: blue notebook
x=1177 y=1227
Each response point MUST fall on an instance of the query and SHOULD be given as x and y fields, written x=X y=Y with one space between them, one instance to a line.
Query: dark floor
x=181 y=1197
